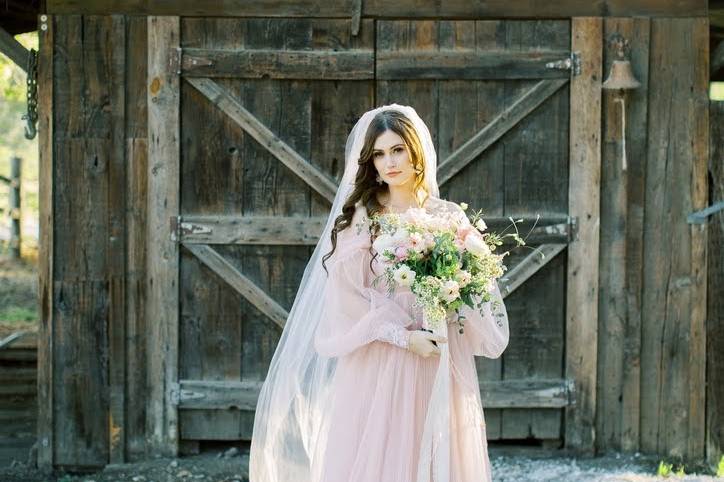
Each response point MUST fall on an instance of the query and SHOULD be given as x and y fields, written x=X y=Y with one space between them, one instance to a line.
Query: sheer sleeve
x=354 y=313
x=487 y=328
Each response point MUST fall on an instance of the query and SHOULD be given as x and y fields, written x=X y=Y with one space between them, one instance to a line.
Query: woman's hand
x=421 y=343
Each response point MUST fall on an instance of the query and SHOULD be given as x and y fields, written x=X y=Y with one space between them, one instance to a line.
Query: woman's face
x=392 y=159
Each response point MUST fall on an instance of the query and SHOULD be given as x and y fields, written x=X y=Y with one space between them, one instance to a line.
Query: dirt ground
x=509 y=465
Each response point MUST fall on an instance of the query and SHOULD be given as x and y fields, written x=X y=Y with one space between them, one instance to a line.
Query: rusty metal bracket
x=701 y=217
x=572 y=63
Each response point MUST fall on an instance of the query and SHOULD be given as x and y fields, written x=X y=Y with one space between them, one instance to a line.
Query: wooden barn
x=189 y=153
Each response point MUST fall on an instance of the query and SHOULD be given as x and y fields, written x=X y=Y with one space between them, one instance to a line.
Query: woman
x=356 y=391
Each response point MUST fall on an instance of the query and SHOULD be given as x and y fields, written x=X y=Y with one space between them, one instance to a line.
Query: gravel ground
x=230 y=465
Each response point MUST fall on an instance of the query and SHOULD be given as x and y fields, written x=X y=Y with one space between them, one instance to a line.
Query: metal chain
x=32 y=95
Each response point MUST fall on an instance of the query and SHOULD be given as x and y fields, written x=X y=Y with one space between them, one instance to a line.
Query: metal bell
x=621 y=76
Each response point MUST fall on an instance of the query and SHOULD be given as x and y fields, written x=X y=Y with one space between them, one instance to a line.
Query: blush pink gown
x=380 y=389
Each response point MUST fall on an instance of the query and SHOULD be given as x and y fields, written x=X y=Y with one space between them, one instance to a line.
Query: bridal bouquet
x=446 y=259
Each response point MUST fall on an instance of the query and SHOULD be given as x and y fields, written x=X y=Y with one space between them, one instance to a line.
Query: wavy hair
x=366 y=187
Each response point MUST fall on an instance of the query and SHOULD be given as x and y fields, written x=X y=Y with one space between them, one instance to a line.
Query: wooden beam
x=117 y=244
x=715 y=302
x=163 y=203
x=583 y=204
x=46 y=331
x=529 y=266
x=455 y=9
x=243 y=285
x=14 y=50
x=218 y=96
x=494 y=130
x=514 y=393
x=304 y=231
x=279 y=64
x=265 y=230
x=468 y=65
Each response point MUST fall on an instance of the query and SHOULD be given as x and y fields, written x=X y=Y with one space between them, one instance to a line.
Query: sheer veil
x=291 y=420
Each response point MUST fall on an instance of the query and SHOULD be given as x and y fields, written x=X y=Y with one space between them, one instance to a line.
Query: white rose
x=480 y=224
x=450 y=290
x=382 y=242
x=404 y=276
x=476 y=245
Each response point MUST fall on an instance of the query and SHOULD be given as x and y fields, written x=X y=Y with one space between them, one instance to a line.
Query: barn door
x=496 y=95
x=247 y=124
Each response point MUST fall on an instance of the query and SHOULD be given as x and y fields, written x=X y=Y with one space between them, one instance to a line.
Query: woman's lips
x=394 y=173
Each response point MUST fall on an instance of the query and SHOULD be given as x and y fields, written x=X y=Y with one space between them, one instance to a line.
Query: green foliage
x=666 y=469
x=720 y=467
x=16 y=314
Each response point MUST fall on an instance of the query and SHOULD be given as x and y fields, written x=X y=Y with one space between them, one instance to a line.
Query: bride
x=356 y=390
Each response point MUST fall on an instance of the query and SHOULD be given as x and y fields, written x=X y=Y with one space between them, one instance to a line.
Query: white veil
x=291 y=419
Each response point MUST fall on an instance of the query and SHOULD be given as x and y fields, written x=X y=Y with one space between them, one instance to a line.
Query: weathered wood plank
x=534 y=179
x=117 y=244
x=715 y=302
x=162 y=268
x=468 y=64
x=247 y=121
x=279 y=64
x=530 y=265
x=295 y=230
x=266 y=230
x=672 y=353
x=621 y=249
x=240 y=283
x=493 y=131
x=457 y=9
x=136 y=182
x=243 y=395
x=583 y=196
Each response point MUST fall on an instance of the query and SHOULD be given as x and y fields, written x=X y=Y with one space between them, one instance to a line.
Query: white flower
x=404 y=276
x=463 y=277
x=476 y=245
x=463 y=206
x=383 y=242
x=450 y=290
x=480 y=224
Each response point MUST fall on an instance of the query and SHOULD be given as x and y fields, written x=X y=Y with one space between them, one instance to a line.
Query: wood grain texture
x=117 y=245
x=674 y=298
x=46 y=333
x=621 y=248
x=715 y=301
x=584 y=192
x=380 y=9
x=162 y=252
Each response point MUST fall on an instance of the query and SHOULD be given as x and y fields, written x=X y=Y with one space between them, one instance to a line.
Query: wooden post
x=715 y=308
x=45 y=243
x=583 y=202
x=162 y=248
x=15 y=175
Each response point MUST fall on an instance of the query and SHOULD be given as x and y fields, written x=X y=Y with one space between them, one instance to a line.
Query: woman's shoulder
x=439 y=204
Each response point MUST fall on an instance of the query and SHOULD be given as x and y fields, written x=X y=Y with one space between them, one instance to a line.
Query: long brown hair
x=366 y=187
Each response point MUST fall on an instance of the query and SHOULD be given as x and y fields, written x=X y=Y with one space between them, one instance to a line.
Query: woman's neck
x=399 y=198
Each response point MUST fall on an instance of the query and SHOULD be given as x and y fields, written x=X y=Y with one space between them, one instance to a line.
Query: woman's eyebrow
x=378 y=150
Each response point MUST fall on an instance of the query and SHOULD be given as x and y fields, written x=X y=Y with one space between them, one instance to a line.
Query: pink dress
x=380 y=389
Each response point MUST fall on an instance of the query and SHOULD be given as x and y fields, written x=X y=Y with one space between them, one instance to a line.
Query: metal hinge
x=175 y=227
x=174 y=60
x=174 y=393
x=572 y=63
x=572 y=228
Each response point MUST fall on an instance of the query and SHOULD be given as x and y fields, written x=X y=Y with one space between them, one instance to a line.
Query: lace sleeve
x=394 y=334
x=355 y=313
